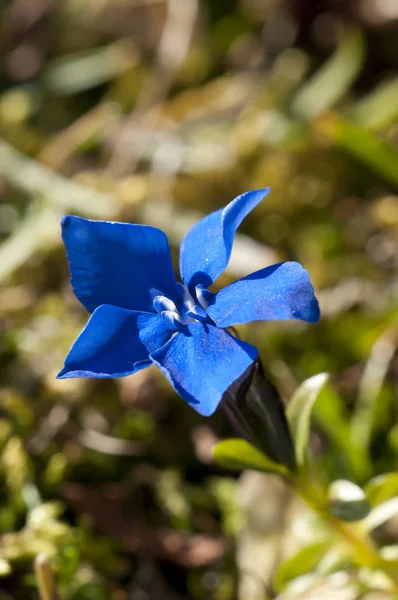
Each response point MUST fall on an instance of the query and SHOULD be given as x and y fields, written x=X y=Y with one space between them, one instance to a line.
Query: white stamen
x=162 y=303
x=187 y=299
x=200 y=294
x=189 y=310
x=172 y=318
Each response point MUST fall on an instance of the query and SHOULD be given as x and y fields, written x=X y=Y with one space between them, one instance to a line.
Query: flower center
x=188 y=309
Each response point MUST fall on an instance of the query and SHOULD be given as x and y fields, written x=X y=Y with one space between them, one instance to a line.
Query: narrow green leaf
x=82 y=71
x=304 y=561
x=363 y=144
x=336 y=559
x=382 y=488
x=298 y=412
x=333 y=79
x=330 y=413
x=236 y=453
x=380 y=514
x=362 y=422
x=379 y=108
x=390 y=553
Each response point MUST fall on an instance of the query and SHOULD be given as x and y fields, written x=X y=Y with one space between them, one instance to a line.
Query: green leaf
x=236 y=453
x=379 y=108
x=380 y=514
x=331 y=414
x=306 y=560
x=298 y=412
x=377 y=366
x=80 y=71
x=382 y=488
x=370 y=149
x=333 y=80
x=390 y=553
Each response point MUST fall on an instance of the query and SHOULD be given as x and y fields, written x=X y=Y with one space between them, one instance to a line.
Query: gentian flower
x=123 y=274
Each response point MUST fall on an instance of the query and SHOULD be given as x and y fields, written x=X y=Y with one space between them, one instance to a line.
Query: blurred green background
x=157 y=112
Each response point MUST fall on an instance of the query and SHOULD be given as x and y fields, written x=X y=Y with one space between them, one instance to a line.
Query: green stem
x=362 y=549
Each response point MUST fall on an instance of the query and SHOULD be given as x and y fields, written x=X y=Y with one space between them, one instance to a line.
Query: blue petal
x=114 y=343
x=283 y=291
x=206 y=249
x=117 y=263
x=201 y=362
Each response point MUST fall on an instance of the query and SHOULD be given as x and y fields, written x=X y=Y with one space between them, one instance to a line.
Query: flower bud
x=257 y=412
x=347 y=501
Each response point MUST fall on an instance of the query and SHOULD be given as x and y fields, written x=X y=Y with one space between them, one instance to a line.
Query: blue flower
x=123 y=275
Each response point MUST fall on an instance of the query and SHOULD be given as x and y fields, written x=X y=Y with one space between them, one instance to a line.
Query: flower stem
x=256 y=411
x=362 y=549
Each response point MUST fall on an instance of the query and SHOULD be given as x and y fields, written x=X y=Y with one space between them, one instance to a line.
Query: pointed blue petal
x=283 y=291
x=114 y=343
x=201 y=362
x=206 y=249
x=117 y=263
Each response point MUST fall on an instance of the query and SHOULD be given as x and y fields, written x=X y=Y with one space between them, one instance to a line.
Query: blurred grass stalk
x=37 y=231
x=91 y=124
x=71 y=74
x=53 y=195
x=45 y=578
x=317 y=97
x=36 y=180
x=363 y=144
x=376 y=369
x=379 y=108
x=332 y=81
x=171 y=52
